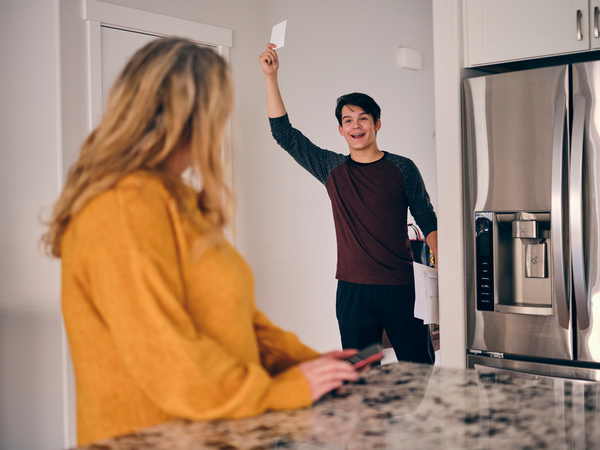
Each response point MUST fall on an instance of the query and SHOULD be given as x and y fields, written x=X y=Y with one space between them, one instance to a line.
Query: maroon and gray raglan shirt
x=370 y=203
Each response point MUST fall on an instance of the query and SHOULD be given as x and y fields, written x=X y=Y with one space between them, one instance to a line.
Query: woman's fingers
x=326 y=373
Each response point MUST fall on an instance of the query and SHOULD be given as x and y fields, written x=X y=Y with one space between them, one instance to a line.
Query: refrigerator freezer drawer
x=535 y=368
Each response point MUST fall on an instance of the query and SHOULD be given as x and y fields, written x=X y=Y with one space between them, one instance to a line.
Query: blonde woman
x=158 y=307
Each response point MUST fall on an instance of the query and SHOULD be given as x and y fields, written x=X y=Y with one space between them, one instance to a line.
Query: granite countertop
x=406 y=405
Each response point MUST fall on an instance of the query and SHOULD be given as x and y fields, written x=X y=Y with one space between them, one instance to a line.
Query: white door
x=508 y=30
x=117 y=47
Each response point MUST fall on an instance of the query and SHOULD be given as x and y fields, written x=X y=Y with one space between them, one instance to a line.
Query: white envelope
x=426 y=293
x=278 y=35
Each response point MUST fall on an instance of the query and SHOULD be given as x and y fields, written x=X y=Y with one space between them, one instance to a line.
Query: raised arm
x=269 y=62
x=318 y=161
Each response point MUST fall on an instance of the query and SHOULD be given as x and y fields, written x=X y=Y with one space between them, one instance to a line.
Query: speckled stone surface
x=406 y=406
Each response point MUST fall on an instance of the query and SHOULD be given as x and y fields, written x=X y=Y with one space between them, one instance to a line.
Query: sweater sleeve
x=319 y=162
x=419 y=203
x=416 y=193
x=138 y=289
x=279 y=349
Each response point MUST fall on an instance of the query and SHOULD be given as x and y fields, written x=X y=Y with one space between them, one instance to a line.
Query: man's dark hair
x=363 y=101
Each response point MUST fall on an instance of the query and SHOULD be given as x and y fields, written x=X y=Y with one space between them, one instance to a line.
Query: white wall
x=447 y=22
x=31 y=395
x=449 y=73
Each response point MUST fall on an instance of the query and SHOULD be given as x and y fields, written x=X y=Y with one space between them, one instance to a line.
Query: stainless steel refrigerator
x=532 y=220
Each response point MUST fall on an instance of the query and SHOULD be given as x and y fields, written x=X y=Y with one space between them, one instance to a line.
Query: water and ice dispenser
x=512 y=257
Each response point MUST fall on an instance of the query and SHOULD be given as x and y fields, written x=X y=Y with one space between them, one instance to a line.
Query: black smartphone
x=366 y=356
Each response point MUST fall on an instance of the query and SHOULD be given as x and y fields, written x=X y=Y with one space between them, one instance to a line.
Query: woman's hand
x=328 y=372
x=269 y=62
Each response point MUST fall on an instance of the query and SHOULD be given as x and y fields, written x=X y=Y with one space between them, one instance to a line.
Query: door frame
x=96 y=14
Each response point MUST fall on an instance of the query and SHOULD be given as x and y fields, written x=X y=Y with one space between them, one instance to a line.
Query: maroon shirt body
x=370 y=203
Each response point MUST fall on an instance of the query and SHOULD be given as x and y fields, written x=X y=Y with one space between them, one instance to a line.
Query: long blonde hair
x=171 y=93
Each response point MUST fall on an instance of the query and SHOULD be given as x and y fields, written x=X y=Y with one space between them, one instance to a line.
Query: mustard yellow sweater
x=156 y=334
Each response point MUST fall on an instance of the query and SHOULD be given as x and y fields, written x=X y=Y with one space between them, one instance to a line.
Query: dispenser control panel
x=484 y=261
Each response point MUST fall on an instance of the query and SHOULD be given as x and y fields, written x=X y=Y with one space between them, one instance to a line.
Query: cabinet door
x=506 y=30
x=595 y=23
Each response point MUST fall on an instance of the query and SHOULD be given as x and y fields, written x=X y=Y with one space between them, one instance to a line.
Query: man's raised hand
x=269 y=61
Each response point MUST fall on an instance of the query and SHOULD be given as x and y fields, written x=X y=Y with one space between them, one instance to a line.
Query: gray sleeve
x=319 y=162
x=418 y=198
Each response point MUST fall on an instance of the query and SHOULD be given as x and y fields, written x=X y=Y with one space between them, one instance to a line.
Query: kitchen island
x=406 y=406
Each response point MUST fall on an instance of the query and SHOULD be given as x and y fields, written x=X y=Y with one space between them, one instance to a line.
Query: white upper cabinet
x=595 y=24
x=507 y=30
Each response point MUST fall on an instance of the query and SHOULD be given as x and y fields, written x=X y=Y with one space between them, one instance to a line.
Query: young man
x=370 y=192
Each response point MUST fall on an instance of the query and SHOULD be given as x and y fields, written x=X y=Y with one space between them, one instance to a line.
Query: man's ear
x=341 y=130
x=378 y=125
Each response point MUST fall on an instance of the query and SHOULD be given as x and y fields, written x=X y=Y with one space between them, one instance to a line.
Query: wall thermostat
x=409 y=58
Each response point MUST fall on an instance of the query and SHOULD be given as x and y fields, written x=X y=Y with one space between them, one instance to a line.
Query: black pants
x=365 y=310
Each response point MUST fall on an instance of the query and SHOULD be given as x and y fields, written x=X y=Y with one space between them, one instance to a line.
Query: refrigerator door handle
x=576 y=213
x=560 y=291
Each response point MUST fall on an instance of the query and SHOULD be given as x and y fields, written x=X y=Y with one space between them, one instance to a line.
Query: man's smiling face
x=358 y=128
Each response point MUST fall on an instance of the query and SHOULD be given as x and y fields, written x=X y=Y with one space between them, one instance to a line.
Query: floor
x=389 y=357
